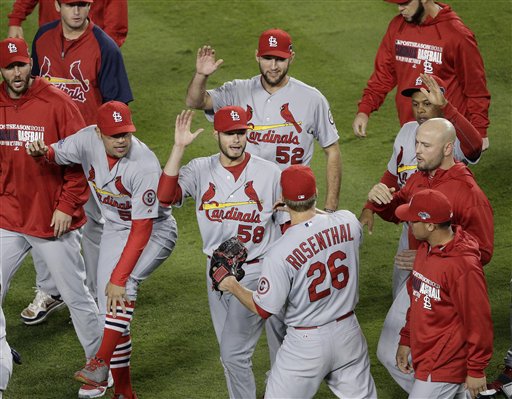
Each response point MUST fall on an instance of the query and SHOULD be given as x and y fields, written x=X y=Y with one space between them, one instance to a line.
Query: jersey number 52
x=338 y=274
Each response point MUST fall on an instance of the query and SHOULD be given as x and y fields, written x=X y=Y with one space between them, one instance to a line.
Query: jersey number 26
x=334 y=272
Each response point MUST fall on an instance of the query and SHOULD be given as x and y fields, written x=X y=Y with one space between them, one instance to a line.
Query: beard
x=418 y=15
x=432 y=164
x=18 y=91
x=225 y=152
x=276 y=81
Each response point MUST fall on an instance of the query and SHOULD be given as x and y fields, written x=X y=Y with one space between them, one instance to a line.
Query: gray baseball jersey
x=242 y=208
x=313 y=269
x=124 y=193
x=285 y=123
x=127 y=191
x=227 y=208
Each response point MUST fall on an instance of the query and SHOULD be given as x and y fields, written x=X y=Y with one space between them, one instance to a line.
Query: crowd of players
x=65 y=123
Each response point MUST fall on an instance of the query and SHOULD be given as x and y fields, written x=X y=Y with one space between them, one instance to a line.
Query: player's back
x=321 y=257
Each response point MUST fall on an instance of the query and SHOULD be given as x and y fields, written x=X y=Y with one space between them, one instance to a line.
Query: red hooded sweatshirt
x=31 y=188
x=449 y=327
x=471 y=208
x=443 y=46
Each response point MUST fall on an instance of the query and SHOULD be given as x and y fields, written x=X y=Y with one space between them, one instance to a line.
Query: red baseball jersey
x=89 y=69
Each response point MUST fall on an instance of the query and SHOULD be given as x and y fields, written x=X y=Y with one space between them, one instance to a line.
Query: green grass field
x=175 y=352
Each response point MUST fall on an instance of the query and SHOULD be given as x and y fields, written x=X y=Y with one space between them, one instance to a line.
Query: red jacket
x=443 y=46
x=109 y=15
x=449 y=326
x=30 y=188
x=89 y=69
x=471 y=208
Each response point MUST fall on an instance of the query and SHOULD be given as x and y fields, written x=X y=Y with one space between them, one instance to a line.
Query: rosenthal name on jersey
x=318 y=242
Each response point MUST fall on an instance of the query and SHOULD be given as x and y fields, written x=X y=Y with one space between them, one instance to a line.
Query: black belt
x=338 y=319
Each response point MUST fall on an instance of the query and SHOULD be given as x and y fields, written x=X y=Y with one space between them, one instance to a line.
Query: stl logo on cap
x=12 y=48
x=117 y=117
x=419 y=81
x=272 y=41
x=235 y=116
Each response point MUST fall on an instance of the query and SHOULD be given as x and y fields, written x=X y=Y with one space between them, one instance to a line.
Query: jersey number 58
x=338 y=282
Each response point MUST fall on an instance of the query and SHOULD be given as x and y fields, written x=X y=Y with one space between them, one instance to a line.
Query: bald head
x=435 y=140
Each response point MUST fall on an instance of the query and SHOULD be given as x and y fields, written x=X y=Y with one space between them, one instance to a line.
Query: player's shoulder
x=346 y=216
x=47 y=30
x=44 y=90
x=105 y=42
x=266 y=167
x=407 y=130
x=144 y=159
x=243 y=83
x=305 y=88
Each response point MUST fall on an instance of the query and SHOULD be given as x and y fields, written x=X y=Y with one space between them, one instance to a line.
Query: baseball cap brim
x=403 y=212
x=275 y=53
x=17 y=58
x=240 y=126
x=410 y=91
x=113 y=130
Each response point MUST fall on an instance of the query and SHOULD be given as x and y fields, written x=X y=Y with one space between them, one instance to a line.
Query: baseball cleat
x=504 y=378
x=16 y=357
x=91 y=391
x=94 y=373
x=40 y=308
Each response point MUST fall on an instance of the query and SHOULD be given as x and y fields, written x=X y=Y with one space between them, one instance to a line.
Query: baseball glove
x=227 y=260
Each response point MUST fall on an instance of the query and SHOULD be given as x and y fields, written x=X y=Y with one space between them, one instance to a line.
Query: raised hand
x=434 y=93
x=381 y=194
x=205 y=62
x=182 y=134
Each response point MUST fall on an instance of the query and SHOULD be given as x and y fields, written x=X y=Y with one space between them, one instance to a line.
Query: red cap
x=427 y=206
x=418 y=84
x=13 y=50
x=76 y=1
x=230 y=118
x=298 y=183
x=275 y=42
x=115 y=117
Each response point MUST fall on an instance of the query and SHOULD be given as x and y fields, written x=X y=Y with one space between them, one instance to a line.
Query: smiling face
x=17 y=78
x=117 y=145
x=232 y=146
x=274 y=70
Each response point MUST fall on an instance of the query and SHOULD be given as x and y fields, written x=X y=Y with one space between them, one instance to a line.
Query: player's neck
x=441 y=237
x=72 y=34
x=299 y=217
x=228 y=162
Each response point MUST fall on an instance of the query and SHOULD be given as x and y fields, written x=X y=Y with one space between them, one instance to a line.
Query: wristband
x=329 y=210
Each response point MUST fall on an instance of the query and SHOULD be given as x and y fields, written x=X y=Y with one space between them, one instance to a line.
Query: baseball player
x=429 y=99
x=437 y=169
x=449 y=326
x=109 y=15
x=285 y=114
x=91 y=71
x=42 y=206
x=234 y=193
x=427 y=37
x=313 y=269
x=138 y=235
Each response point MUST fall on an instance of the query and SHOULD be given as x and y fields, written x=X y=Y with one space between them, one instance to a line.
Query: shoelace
x=39 y=300
x=94 y=364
